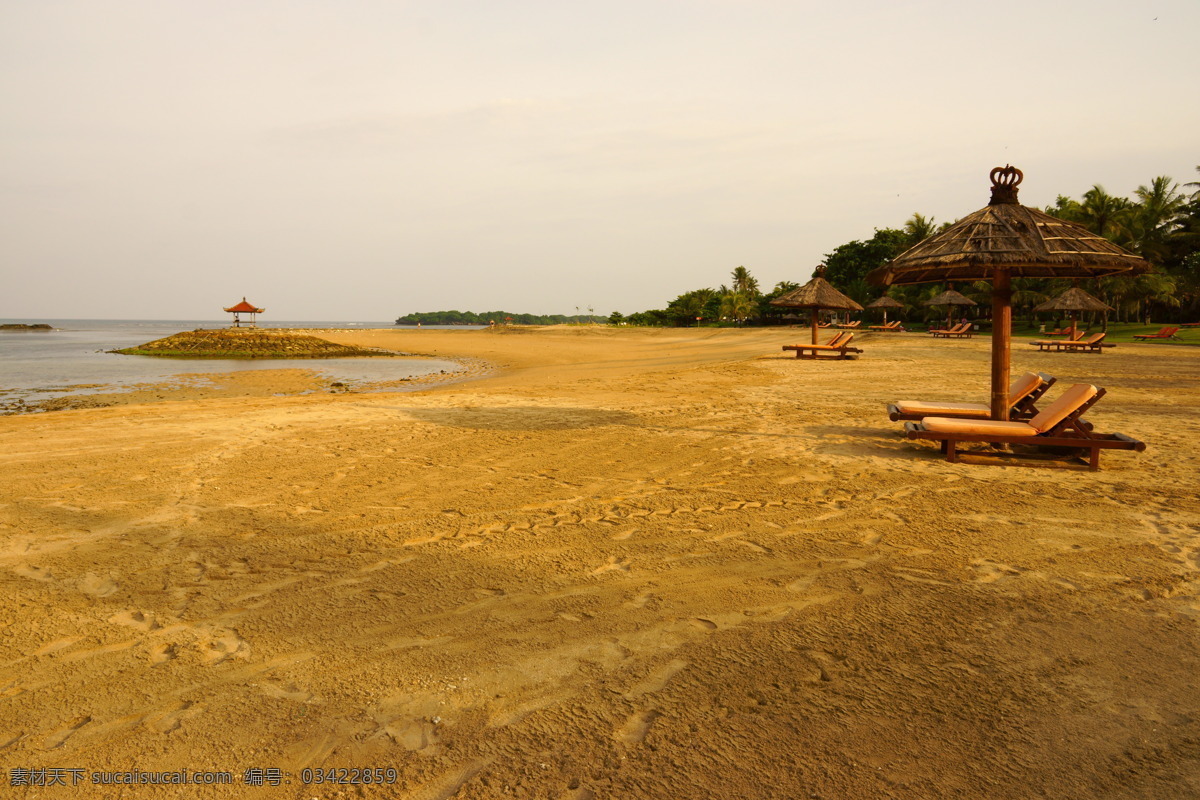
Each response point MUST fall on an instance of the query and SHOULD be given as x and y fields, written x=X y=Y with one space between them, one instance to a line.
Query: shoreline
x=649 y=563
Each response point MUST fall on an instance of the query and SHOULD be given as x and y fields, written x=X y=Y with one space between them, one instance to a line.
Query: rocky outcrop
x=247 y=343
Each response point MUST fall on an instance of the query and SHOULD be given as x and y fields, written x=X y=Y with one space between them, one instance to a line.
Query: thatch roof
x=950 y=298
x=817 y=293
x=1074 y=299
x=1005 y=234
x=885 y=302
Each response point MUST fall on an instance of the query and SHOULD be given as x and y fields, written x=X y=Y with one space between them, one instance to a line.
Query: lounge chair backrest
x=1095 y=338
x=836 y=340
x=1022 y=387
x=1064 y=406
x=846 y=341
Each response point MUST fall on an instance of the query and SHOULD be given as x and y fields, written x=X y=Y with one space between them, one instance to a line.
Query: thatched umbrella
x=1073 y=300
x=997 y=243
x=885 y=303
x=817 y=294
x=950 y=299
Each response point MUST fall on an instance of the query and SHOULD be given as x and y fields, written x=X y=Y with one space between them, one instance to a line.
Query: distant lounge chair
x=889 y=326
x=1165 y=333
x=1059 y=332
x=1091 y=344
x=849 y=326
x=1190 y=324
x=837 y=347
x=1060 y=425
x=1023 y=393
x=958 y=331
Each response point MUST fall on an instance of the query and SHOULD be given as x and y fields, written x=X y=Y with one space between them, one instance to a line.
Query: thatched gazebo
x=885 y=303
x=1073 y=301
x=244 y=308
x=950 y=299
x=815 y=295
x=997 y=243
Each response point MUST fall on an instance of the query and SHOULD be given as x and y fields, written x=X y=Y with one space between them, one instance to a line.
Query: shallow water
x=73 y=358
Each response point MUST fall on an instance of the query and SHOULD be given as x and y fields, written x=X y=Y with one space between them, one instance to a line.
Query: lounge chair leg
x=1094 y=462
x=951 y=453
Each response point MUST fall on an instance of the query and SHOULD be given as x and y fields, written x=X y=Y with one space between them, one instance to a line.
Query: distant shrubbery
x=490 y=317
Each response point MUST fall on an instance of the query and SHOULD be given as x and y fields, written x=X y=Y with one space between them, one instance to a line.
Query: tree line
x=493 y=318
x=1161 y=223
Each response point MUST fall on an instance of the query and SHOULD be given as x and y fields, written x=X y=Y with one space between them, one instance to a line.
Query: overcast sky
x=362 y=159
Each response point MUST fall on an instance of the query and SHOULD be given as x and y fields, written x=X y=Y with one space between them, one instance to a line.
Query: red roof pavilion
x=244 y=308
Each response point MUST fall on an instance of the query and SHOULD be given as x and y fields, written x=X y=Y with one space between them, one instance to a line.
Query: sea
x=73 y=358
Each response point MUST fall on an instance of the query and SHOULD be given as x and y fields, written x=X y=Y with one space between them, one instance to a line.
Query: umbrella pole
x=1072 y=334
x=1001 y=335
x=814 y=326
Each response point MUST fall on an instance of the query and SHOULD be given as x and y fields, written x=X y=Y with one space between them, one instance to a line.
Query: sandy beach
x=612 y=564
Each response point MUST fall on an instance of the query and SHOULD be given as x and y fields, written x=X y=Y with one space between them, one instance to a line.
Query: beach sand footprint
x=637 y=726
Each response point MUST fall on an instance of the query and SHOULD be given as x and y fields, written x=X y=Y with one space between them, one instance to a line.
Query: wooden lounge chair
x=890 y=326
x=837 y=347
x=958 y=331
x=944 y=331
x=1023 y=393
x=1165 y=333
x=1059 y=425
x=1091 y=344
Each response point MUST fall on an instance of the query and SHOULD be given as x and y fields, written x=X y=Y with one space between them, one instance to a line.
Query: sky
x=364 y=159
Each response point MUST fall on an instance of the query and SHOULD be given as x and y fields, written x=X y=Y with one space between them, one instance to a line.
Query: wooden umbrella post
x=1001 y=341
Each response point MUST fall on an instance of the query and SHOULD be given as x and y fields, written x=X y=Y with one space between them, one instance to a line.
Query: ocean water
x=72 y=359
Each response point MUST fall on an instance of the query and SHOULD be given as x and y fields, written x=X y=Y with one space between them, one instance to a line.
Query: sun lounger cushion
x=933 y=408
x=1061 y=408
x=1023 y=386
x=982 y=427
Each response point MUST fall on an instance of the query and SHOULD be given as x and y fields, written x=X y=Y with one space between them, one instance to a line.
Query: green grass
x=1118 y=333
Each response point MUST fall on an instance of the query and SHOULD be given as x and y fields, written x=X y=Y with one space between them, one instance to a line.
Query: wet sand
x=622 y=563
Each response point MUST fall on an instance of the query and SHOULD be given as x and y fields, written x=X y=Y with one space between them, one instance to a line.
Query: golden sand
x=627 y=564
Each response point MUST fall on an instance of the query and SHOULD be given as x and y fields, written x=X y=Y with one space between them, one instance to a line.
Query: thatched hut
x=1073 y=301
x=815 y=295
x=997 y=243
x=885 y=303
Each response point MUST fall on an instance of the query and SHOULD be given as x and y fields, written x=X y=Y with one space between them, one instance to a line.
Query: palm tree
x=1101 y=212
x=738 y=306
x=743 y=282
x=918 y=228
x=1156 y=216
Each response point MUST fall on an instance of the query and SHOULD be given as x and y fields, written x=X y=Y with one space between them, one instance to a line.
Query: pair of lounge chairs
x=888 y=326
x=1166 y=333
x=837 y=347
x=1092 y=344
x=958 y=331
x=1060 y=425
x=848 y=326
